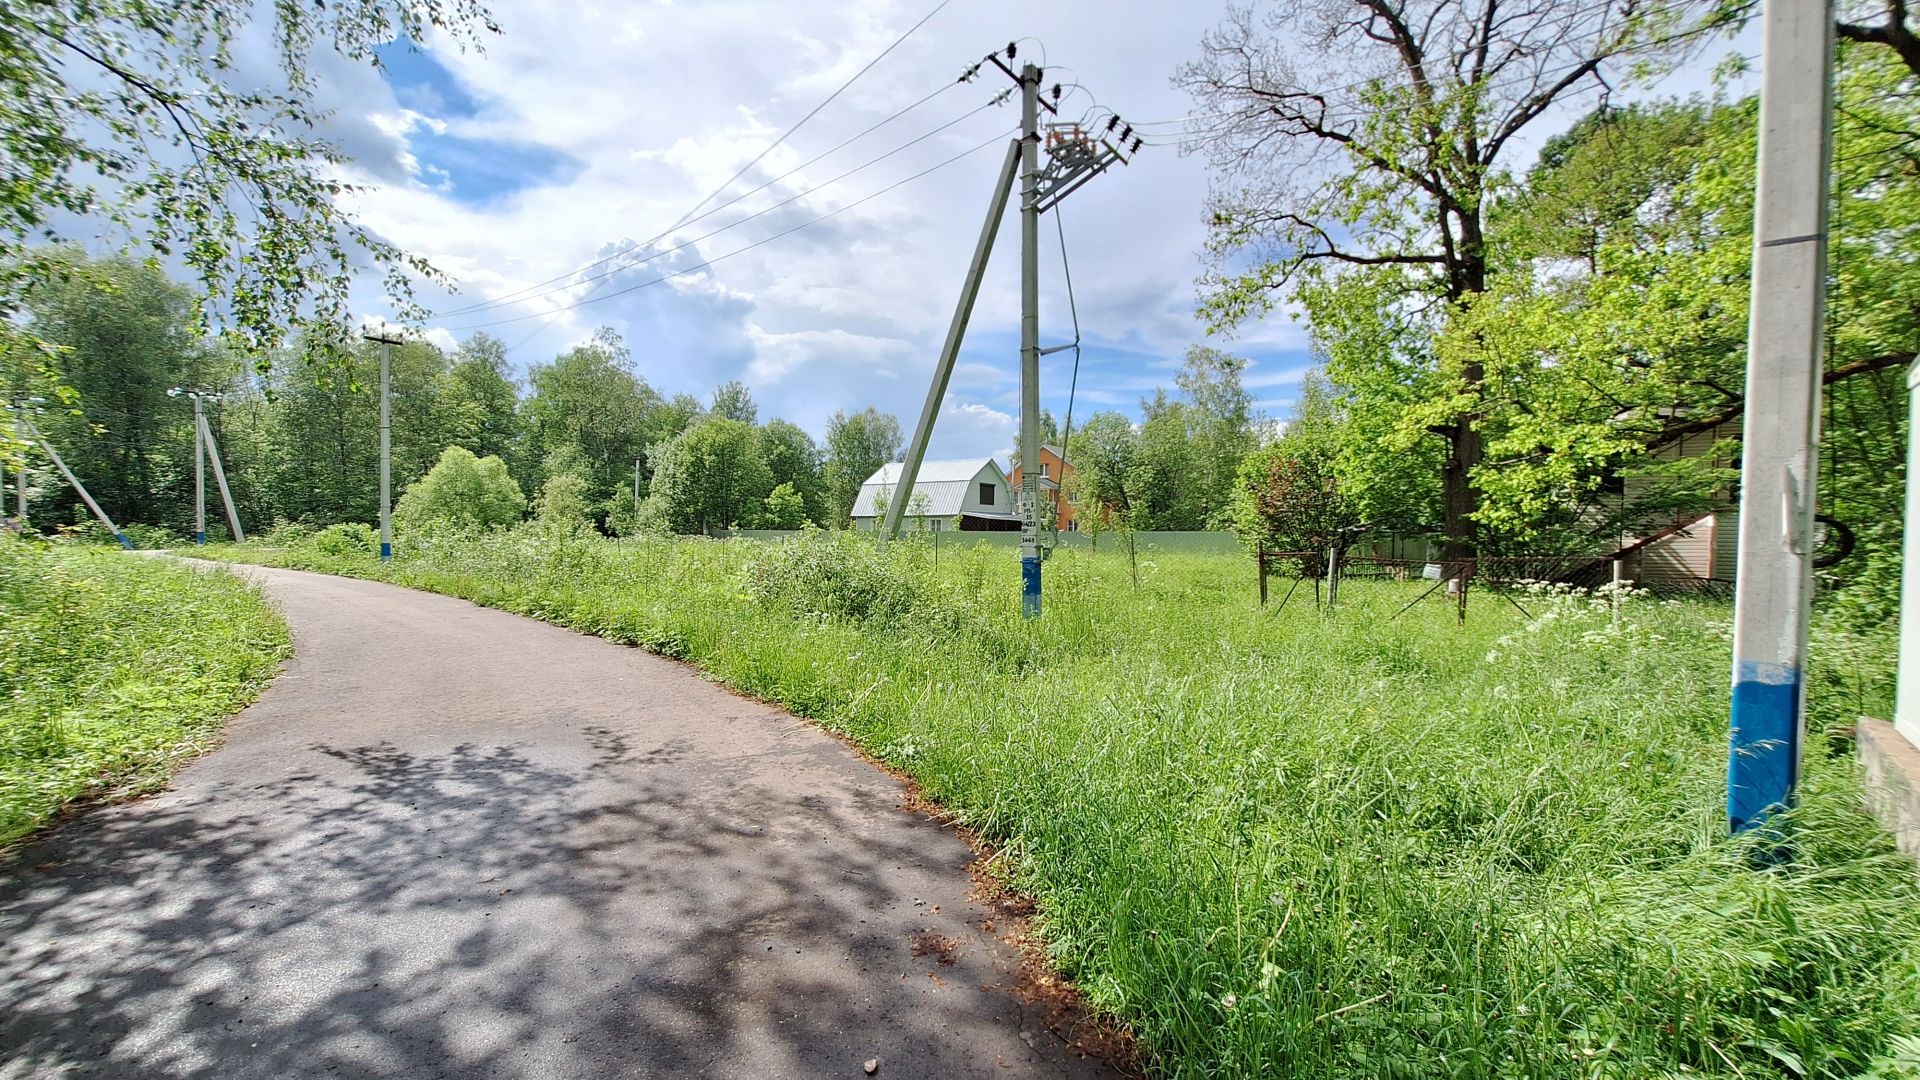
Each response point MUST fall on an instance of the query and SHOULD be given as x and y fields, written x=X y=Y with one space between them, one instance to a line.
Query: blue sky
x=592 y=128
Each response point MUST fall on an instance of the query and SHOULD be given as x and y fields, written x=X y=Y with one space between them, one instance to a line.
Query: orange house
x=1054 y=469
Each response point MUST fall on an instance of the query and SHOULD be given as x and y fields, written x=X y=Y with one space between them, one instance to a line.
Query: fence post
x=1261 y=558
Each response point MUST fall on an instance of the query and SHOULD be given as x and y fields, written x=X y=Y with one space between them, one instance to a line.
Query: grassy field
x=1315 y=844
x=113 y=670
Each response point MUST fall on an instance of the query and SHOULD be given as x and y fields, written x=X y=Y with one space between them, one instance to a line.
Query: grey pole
x=386 y=451
x=956 y=331
x=636 y=487
x=85 y=496
x=1029 y=341
x=199 y=471
x=1773 y=595
x=220 y=478
x=387 y=338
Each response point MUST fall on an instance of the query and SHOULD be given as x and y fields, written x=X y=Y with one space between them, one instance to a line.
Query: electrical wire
x=816 y=109
x=1073 y=385
x=511 y=297
x=996 y=140
x=785 y=135
x=573 y=282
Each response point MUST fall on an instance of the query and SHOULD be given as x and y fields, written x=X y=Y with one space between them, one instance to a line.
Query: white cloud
x=843 y=313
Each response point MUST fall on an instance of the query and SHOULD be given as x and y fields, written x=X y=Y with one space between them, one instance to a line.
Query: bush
x=115 y=669
x=832 y=573
x=468 y=493
x=563 y=503
x=346 y=539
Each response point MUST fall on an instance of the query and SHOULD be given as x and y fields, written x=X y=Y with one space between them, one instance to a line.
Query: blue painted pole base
x=124 y=542
x=1763 y=767
x=386 y=552
x=1029 y=586
x=199 y=538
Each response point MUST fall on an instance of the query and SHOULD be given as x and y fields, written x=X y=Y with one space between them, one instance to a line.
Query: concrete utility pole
x=636 y=486
x=956 y=332
x=1075 y=156
x=199 y=470
x=1030 y=341
x=1784 y=366
x=220 y=478
x=78 y=487
x=388 y=338
x=204 y=451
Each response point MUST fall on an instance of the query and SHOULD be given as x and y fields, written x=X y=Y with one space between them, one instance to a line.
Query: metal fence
x=1179 y=543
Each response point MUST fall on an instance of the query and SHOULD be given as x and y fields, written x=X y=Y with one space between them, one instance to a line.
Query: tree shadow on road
x=478 y=913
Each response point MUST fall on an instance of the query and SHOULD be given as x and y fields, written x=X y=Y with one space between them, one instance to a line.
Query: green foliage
x=347 y=539
x=1175 y=471
x=126 y=337
x=835 y=574
x=794 y=460
x=480 y=399
x=590 y=399
x=1289 y=500
x=114 y=670
x=462 y=492
x=562 y=502
x=856 y=447
x=136 y=113
x=1319 y=844
x=710 y=476
x=732 y=401
x=785 y=509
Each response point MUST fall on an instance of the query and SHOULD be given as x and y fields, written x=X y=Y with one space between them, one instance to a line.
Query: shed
x=972 y=490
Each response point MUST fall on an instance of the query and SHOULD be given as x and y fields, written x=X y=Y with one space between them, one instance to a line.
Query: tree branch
x=1732 y=411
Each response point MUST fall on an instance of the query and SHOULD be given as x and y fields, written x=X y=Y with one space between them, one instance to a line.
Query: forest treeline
x=579 y=434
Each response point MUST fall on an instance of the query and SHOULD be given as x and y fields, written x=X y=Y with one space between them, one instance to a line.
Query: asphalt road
x=452 y=842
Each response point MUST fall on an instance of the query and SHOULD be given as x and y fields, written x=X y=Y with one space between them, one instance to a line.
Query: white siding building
x=1688 y=552
x=974 y=490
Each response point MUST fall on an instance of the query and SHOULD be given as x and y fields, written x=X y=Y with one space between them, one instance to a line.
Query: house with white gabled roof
x=972 y=490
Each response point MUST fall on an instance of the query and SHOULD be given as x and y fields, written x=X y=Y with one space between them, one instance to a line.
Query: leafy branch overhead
x=130 y=111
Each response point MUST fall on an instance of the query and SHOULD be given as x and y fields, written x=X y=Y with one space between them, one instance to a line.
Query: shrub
x=832 y=573
x=563 y=502
x=346 y=539
x=468 y=493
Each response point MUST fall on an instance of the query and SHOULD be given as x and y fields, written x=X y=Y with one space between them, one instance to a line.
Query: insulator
x=1056 y=91
x=1126 y=133
x=1113 y=121
x=1136 y=144
x=1012 y=47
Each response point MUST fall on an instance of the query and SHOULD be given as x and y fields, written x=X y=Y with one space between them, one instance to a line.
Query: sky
x=587 y=131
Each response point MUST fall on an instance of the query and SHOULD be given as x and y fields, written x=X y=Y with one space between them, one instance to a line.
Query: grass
x=114 y=670
x=1305 y=843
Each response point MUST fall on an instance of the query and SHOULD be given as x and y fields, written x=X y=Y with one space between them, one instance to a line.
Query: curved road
x=452 y=842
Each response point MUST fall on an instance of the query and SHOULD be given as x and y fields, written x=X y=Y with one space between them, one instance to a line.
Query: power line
x=996 y=140
x=816 y=110
x=511 y=297
x=785 y=134
x=789 y=200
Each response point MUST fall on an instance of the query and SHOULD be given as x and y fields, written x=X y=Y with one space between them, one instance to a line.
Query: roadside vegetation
x=114 y=670
x=1304 y=843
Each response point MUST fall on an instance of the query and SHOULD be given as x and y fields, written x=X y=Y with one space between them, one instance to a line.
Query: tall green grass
x=1306 y=843
x=114 y=669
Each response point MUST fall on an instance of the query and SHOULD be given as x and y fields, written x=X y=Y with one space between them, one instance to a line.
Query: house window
x=935 y=524
x=986 y=493
x=1043 y=470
